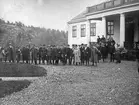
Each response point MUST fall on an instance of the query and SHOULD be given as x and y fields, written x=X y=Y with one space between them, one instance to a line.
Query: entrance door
x=129 y=33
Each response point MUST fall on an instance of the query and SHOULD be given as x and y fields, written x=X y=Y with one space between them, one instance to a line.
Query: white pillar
x=104 y=26
x=88 y=31
x=122 y=29
x=136 y=30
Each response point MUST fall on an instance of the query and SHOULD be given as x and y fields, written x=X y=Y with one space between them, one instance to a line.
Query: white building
x=118 y=18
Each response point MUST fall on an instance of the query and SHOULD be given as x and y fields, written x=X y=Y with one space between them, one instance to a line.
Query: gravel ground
x=107 y=84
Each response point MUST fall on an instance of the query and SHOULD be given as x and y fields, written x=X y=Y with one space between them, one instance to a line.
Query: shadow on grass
x=9 y=87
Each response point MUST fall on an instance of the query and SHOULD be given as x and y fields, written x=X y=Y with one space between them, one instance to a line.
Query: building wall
x=85 y=40
x=77 y=40
x=99 y=30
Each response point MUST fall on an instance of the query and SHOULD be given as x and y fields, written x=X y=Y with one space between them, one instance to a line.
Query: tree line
x=21 y=35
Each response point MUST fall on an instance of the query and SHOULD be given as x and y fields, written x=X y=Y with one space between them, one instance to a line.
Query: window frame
x=74 y=31
x=92 y=29
x=110 y=27
x=83 y=30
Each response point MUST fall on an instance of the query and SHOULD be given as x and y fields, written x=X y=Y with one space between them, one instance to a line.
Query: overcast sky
x=45 y=13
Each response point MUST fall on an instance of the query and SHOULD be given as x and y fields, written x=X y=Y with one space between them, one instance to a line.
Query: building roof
x=79 y=18
x=105 y=5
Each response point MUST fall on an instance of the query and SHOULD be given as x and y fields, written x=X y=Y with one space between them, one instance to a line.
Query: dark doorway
x=129 y=33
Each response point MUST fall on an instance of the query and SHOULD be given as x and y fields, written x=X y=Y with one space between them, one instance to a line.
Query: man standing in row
x=10 y=51
x=82 y=50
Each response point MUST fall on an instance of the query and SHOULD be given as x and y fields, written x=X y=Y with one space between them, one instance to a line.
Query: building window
x=83 y=30
x=110 y=28
x=92 y=29
x=74 y=31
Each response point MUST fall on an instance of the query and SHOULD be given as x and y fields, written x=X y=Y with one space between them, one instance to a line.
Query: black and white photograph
x=69 y=52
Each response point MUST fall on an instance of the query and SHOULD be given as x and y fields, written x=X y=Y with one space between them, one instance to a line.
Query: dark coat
x=103 y=51
x=10 y=53
x=87 y=53
x=82 y=50
x=69 y=53
x=94 y=54
x=53 y=53
x=44 y=52
x=35 y=53
x=111 y=49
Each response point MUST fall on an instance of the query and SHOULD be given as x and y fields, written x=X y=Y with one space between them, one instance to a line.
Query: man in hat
x=40 y=54
x=64 y=55
x=26 y=53
x=87 y=54
x=44 y=54
x=11 y=53
x=35 y=51
x=53 y=54
x=49 y=53
x=82 y=50
x=69 y=54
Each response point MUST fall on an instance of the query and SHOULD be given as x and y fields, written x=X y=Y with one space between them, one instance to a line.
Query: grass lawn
x=8 y=87
x=20 y=70
x=107 y=84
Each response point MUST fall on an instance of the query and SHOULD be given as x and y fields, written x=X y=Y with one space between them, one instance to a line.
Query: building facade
x=116 y=18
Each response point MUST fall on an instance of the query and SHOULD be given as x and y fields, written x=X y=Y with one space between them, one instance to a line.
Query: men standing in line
x=58 y=55
x=35 y=52
x=27 y=54
x=77 y=54
x=111 y=51
x=10 y=53
x=53 y=54
x=64 y=55
x=18 y=54
x=49 y=53
x=103 y=51
x=40 y=54
x=87 y=54
x=82 y=50
x=44 y=54
x=69 y=55
x=94 y=55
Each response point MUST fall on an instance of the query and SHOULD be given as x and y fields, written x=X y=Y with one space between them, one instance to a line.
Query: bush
x=8 y=87
x=21 y=70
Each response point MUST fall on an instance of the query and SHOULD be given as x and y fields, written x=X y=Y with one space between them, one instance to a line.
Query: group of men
x=39 y=55
x=52 y=54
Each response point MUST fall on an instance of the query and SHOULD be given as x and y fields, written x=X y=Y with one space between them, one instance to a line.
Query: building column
x=104 y=26
x=88 y=32
x=136 y=30
x=122 y=29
